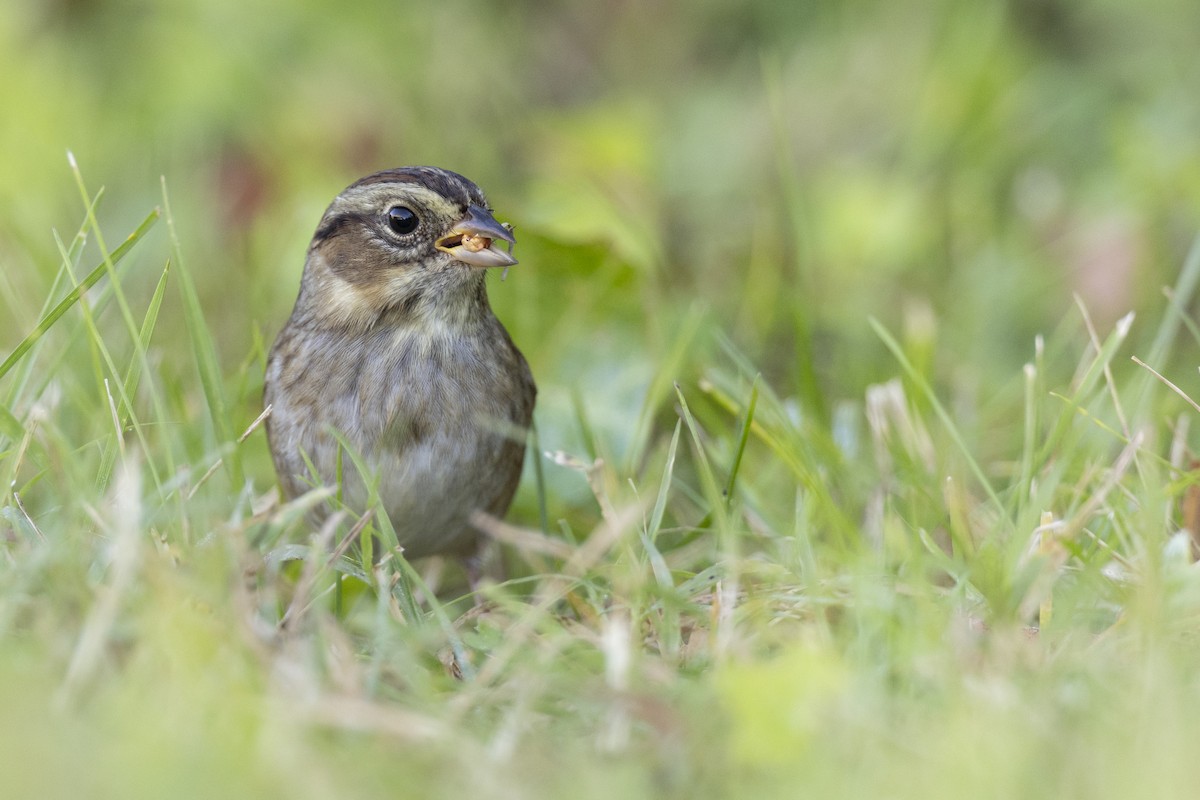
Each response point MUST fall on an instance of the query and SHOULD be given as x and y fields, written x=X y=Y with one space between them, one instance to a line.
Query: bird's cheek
x=343 y=300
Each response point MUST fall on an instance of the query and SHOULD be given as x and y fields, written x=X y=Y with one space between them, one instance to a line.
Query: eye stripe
x=337 y=224
x=367 y=201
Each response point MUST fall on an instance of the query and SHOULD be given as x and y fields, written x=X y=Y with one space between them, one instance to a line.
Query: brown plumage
x=392 y=343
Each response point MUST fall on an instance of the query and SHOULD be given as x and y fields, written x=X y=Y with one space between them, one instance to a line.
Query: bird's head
x=402 y=240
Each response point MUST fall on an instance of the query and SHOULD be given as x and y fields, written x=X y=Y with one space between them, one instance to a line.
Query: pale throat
x=447 y=302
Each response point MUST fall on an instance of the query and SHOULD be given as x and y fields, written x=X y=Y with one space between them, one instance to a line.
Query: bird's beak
x=472 y=240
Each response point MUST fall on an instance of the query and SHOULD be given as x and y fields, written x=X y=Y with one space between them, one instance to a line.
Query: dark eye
x=402 y=220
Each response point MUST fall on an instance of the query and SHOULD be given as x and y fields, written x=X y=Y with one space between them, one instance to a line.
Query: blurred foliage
x=790 y=168
x=780 y=163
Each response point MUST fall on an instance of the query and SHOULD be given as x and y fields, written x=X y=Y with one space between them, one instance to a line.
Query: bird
x=393 y=359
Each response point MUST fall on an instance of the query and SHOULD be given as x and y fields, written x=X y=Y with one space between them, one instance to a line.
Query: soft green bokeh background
x=788 y=169
x=763 y=161
x=692 y=183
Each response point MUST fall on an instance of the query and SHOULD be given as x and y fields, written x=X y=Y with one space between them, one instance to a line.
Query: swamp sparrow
x=392 y=345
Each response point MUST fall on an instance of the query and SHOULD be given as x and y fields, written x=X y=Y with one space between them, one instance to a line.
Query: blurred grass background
x=703 y=192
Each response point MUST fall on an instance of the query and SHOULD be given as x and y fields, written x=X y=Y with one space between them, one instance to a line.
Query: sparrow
x=393 y=351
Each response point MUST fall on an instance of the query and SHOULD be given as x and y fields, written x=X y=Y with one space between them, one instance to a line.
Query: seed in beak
x=474 y=243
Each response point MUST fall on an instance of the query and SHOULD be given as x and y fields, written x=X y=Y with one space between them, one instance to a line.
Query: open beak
x=472 y=240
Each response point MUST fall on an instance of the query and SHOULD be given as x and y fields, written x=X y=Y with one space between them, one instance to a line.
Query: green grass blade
x=800 y=449
x=743 y=438
x=94 y=225
x=1029 y=443
x=539 y=478
x=664 y=486
x=73 y=296
x=387 y=532
x=708 y=479
x=1181 y=298
x=139 y=365
x=1178 y=302
x=1087 y=384
x=63 y=277
x=410 y=577
x=105 y=373
x=204 y=351
x=12 y=439
x=586 y=431
x=70 y=261
x=662 y=572
x=660 y=386
x=148 y=323
x=67 y=273
x=943 y=415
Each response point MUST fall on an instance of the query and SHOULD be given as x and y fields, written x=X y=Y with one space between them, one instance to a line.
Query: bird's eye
x=402 y=220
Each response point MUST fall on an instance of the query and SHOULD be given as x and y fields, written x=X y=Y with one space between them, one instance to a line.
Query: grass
x=846 y=481
x=763 y=603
